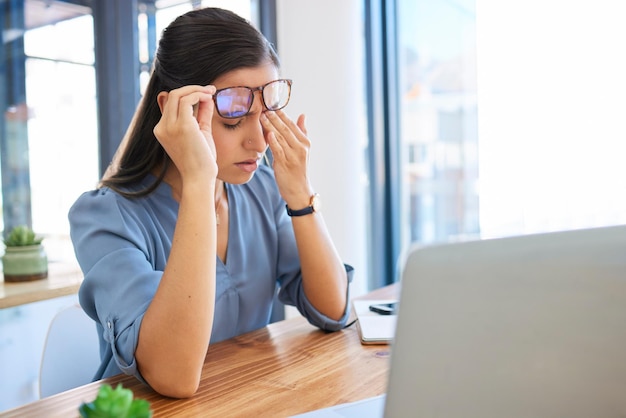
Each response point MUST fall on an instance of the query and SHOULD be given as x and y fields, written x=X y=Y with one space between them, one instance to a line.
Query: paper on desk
x=374 y=328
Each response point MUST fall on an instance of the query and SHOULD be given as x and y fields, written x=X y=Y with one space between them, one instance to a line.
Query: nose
x=255 y=137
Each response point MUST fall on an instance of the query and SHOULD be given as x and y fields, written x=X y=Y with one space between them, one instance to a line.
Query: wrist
x=314 y=205
x=298 y=198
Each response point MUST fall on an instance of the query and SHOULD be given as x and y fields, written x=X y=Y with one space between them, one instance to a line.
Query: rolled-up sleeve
x=120 y=278
x=292 y=292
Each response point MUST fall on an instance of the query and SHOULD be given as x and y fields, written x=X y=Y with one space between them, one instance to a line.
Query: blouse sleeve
x=111 y=246
x=292 y=293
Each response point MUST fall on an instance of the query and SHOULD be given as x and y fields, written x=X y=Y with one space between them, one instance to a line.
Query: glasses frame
x=253 y=90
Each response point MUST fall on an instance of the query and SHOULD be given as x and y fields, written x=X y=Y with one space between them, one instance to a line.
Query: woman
x=188 y=235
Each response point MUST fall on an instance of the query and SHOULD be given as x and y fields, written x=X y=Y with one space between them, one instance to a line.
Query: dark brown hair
x=196 y=48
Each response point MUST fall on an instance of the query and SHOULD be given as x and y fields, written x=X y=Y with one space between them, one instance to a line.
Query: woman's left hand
x=324 y=277
x=290 y=145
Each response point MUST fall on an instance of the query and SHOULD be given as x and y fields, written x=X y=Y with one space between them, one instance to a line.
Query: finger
x=270 y=129
x=187 y=95
x=301 y=124
x=169 y=108
x=171 y=111
x=274 y=123
x=277 y=150
x=291 y=128
x=189 y=102
x=283 y=123
x=296 y=130
x=180 y=108
x=206 y=107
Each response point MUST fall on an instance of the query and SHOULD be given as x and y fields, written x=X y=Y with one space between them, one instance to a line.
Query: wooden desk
x=284 y=369
x=63 y=279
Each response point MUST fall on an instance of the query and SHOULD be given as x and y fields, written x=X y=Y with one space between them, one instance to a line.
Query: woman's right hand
x=184 y=129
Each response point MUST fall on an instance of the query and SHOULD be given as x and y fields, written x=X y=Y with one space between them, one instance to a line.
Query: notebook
x=527 y=326
x=374 y=328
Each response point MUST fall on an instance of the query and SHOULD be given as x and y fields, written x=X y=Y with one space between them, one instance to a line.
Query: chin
x=241 y=178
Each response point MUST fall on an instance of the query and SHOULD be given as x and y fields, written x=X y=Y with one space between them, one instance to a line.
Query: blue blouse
x=122 y=246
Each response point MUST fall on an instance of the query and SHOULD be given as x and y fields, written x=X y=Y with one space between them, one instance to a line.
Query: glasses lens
x=276 y=94
x=234 y=102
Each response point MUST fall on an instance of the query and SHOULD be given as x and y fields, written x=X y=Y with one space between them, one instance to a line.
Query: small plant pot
x=25 y=263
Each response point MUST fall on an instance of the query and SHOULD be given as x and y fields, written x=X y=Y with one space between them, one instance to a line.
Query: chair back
x=71 y=354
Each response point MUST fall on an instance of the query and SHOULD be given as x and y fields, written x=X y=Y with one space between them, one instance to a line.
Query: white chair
x=71 y=354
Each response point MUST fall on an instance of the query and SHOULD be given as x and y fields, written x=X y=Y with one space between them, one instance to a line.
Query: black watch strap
x=314 y=206
x=300 y=212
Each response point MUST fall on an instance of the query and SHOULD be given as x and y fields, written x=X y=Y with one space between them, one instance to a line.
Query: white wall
x=321 y=45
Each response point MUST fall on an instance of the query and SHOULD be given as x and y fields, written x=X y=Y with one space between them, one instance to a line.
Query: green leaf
x=115 y=403
x=140 y=408
x=20 y=236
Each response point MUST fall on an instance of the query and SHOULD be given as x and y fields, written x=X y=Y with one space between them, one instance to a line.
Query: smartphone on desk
x=384 y=308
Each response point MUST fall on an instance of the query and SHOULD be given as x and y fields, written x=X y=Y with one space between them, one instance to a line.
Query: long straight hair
x=196 y=48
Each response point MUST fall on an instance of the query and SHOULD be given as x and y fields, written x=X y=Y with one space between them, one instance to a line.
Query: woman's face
x=240 y=143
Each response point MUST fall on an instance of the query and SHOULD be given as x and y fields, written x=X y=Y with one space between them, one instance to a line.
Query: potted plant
x=24 y=258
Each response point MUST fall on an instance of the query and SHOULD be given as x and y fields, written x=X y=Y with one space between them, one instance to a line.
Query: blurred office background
x=431 y=121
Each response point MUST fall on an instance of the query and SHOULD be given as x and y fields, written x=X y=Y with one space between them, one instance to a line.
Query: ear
x=162 y=99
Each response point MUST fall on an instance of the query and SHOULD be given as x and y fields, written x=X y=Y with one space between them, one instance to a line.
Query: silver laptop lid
x=529 y=326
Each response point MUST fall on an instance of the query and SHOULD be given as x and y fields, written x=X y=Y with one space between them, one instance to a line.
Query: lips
x=248 y=166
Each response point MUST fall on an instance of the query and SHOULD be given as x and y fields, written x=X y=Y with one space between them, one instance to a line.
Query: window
x=438 y=120
x=510 y=117
x=551 y=102
x=49 y=133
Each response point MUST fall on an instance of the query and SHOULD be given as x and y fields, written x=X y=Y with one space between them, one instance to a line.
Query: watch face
x=316 y=203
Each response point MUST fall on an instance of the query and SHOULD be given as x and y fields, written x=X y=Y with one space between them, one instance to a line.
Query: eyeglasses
x=236 y=102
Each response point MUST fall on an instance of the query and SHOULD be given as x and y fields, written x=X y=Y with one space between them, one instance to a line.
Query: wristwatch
x=315 y=204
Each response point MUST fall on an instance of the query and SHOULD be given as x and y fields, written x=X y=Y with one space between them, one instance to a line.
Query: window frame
x=383 y=158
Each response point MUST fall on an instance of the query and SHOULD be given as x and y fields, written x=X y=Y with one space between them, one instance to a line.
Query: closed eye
x=233 y=125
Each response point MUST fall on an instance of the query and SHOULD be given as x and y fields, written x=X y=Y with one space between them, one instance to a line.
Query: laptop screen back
x=528 y=326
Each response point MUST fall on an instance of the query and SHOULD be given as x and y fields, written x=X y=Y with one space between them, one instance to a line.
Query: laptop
x=526 y=326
